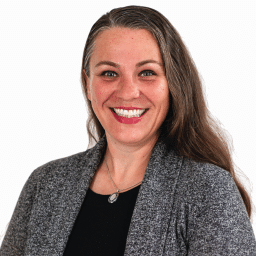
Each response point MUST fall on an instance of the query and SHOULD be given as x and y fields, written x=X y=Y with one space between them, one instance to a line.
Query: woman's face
x=126 y=72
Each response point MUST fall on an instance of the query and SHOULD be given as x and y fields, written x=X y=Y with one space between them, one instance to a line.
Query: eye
x=147 y=73
x=109 y=73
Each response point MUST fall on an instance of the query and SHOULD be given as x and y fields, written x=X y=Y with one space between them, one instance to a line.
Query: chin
x=128 y=138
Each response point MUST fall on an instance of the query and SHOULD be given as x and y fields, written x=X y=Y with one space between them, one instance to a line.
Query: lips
x=126 y=120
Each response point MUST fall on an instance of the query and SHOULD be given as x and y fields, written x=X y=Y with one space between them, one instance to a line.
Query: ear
x=87 y=80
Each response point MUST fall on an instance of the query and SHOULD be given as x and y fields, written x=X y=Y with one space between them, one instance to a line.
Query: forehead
x=125 y=44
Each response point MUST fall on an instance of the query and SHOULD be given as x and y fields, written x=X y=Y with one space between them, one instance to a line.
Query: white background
x=42 y=109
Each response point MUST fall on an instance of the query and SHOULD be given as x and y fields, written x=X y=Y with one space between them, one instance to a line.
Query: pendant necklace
x=113 y=197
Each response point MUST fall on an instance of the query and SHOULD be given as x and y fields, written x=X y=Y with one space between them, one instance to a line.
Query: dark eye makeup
x=148 y=72
x=114 y=74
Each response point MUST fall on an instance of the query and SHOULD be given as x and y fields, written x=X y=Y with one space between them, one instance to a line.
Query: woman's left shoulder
x=205 y=172
x=206 y=181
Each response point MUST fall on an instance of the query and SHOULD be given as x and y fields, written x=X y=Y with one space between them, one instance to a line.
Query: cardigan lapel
x=59 y=201
x=149 y=223
x=152 y=211
x=74 y=195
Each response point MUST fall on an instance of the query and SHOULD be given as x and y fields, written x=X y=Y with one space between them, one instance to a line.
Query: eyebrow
x=139 y=64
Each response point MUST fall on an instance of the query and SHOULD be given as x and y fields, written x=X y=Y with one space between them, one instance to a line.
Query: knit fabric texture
x=183 y=207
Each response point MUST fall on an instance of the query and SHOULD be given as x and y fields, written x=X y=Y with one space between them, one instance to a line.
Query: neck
x=127 y=163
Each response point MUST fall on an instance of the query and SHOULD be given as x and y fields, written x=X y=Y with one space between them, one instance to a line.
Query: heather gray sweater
x=183 y=208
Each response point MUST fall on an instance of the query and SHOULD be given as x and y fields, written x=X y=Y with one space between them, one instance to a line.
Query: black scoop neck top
x=101 y=228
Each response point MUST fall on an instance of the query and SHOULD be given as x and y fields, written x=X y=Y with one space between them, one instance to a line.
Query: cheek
x=159 y=93
x=100 y=92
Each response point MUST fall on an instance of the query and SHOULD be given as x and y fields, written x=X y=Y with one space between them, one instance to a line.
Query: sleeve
x=221 y=225
x=15 y=238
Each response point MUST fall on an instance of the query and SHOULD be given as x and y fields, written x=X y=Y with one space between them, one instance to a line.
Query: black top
x=101 y=227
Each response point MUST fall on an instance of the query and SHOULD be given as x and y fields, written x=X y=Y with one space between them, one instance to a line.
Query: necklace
x=113 y=197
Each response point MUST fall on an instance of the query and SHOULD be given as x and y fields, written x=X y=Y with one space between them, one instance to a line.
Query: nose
x=128 y=89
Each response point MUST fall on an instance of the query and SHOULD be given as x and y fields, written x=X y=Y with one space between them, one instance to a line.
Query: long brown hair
x=189 y=125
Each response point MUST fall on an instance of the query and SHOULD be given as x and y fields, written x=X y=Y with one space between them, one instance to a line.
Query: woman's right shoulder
x=58 y=168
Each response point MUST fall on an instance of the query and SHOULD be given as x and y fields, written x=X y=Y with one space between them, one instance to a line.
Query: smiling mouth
x=129 y=114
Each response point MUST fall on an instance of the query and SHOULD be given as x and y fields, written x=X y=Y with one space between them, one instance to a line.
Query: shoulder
x=53 y=174
x=58 y=169
x=203 y=182
x=204 y=174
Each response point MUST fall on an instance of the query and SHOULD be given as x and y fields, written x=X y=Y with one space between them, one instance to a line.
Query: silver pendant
x=112 y=198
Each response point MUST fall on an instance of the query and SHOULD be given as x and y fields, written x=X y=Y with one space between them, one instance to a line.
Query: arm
x=15 y=238
x=221 y=225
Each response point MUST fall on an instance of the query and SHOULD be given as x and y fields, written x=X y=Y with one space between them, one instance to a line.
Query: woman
x=159 y=181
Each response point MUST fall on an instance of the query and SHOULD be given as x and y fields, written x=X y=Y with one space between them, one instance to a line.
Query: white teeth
x=129 y=113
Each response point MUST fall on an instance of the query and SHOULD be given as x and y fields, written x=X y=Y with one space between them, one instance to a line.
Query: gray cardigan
x=183 y=208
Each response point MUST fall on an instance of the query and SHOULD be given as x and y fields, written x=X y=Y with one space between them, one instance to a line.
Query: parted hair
x=189 y=126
